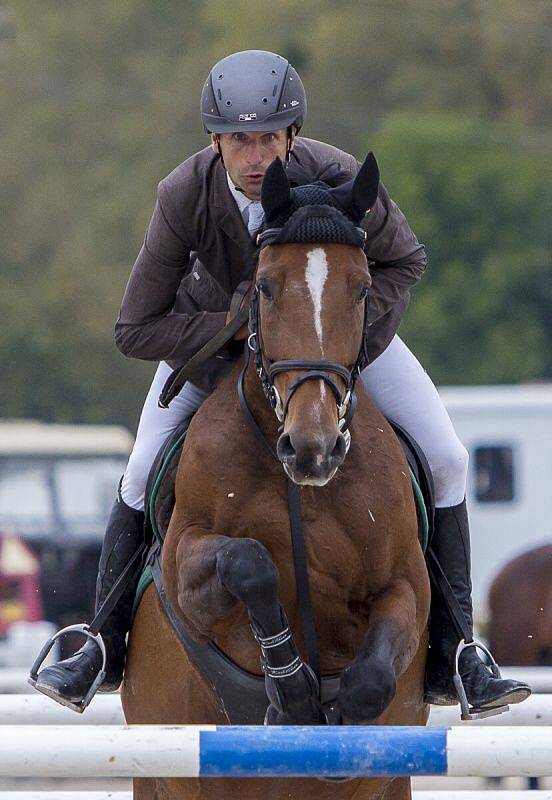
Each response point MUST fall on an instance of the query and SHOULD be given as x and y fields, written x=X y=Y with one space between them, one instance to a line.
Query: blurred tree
x=481 y=204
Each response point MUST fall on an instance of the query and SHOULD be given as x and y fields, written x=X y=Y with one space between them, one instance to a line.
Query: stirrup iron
x=98 y=680
x=472 y=712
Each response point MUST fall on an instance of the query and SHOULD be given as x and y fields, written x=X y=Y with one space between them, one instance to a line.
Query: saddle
x=241 y=694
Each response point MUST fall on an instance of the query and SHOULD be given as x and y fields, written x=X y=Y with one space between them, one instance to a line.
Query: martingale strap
x=302 y=583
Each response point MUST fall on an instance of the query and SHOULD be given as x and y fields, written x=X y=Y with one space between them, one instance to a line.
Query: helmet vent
x=228 y=102
x=219 y=94
x=265 y=99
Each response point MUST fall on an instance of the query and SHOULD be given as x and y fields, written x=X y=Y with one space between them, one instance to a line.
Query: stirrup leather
x=98 y=680
x=473 y=712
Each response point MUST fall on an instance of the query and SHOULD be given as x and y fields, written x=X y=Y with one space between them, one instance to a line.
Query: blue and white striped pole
x=230 y=751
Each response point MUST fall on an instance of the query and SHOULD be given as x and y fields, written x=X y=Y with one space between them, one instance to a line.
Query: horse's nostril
x=285 y=450
x=340 y=450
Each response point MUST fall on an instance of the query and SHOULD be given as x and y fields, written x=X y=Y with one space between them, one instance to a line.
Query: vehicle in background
x=20 y=599
x=57 y=486
x=508 y=432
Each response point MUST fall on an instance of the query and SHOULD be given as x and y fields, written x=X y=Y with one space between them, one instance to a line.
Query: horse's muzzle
x=311 y=460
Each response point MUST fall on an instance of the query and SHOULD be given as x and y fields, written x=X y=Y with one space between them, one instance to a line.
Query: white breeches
x=155 y=426
x=403 y=391
x=397 y=384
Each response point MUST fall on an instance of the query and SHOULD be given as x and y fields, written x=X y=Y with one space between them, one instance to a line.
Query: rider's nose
x=254 y=155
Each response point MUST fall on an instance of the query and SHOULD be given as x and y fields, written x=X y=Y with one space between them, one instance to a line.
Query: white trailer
x=508 y=432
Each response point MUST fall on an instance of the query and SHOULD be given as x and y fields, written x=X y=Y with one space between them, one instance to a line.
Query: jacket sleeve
x=146 y=327
x=399 y=259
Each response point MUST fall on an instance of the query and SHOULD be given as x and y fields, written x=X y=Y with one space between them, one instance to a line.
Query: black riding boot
x=69 y=680
x=451 y=545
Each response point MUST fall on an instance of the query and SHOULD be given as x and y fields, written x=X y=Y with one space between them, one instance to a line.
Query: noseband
x=313 y=370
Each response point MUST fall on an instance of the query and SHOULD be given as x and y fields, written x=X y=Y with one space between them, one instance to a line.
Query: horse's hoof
x=366 y=691
x=310 y=716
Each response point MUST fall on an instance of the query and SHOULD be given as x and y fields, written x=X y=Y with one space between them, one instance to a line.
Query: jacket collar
x=226 y=211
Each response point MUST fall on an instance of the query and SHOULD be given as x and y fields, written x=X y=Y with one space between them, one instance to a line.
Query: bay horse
x=520 y=620
x=227 y=560
x=520 y=603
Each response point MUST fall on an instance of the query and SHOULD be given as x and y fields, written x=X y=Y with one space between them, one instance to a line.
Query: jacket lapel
x=227 y=216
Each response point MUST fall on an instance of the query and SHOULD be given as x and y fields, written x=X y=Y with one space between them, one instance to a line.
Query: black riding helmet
x=253 y=90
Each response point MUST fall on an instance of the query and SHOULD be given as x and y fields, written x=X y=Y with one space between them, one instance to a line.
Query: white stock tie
x=255 y=218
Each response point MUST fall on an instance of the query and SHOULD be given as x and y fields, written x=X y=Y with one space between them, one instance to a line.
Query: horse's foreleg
x=247 y=571
x=214 y=573
x=369 y=683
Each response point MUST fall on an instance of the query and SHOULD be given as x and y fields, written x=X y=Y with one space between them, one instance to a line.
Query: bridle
x=312 y=370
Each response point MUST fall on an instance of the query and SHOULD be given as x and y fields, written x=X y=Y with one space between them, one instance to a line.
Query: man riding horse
x=198 y=248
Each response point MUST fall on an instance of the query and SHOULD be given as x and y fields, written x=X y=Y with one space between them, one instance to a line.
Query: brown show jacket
x=197 y=250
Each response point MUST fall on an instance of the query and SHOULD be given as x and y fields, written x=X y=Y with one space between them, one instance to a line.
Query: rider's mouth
x=254 y=176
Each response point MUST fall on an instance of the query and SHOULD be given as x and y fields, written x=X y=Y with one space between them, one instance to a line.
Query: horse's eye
x=362 y=292
x=265 y=289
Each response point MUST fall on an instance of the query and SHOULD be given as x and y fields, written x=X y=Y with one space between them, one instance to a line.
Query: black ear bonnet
x=328 y=210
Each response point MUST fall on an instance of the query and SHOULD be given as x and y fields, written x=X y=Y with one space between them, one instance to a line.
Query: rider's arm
x=399 y=259
x=146 y=328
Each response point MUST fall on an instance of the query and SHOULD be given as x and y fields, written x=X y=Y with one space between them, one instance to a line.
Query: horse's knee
x=450 y=472
x=246 y=569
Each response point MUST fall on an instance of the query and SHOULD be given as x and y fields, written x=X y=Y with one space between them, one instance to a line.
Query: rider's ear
x=358 y=196
x=275 y=191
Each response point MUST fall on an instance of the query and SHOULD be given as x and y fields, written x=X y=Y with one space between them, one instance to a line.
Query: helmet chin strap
x=219 y=149
x=288 y=143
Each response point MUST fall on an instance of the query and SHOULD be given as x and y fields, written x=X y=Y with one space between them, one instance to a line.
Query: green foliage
x=100 y=100
x=480 y=201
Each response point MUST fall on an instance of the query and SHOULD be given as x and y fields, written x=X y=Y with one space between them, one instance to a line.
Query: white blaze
x=316 y=274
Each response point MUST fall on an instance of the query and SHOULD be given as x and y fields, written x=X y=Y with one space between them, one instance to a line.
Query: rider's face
x=247 y=155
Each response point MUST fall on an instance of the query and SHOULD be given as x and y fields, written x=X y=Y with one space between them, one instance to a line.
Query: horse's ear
x=366 y=183
x=275 y=191
x=357 y=196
